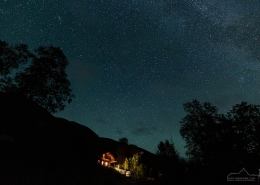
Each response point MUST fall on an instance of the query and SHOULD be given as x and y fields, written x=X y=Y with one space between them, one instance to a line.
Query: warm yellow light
x=106 y=163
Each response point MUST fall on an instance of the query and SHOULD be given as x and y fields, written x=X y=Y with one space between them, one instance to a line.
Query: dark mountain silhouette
x=38 y=148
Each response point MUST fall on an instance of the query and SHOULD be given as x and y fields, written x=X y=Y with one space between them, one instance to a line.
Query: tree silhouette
x=221 y=143
x=198 y=128
x=11 y=57
x=38 y=76
x=166 y=149
x=244 y=121
x=123 y=140
x=169 y=162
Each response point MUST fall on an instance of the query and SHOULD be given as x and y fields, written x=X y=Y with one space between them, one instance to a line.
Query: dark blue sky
x=133 y=63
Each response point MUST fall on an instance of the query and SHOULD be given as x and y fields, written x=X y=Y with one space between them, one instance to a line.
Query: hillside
x=38 y=148
x=121 y=150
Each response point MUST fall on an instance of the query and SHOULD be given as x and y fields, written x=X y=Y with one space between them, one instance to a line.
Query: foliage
x=126 y=164
x=197 y=127
x=12 y=56
x=166 y=149
x=38 y=76
x=123 y=140
x=139 y=171
x=245 y=122
x=169 y=162
x=222 y=141
x=133 y=164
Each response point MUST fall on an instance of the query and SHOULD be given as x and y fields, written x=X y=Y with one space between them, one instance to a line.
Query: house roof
x=108 y=157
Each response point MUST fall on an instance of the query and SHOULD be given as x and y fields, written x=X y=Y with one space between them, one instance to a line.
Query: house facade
x=108 y=160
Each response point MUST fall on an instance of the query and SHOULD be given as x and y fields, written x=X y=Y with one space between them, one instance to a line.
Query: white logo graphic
x=243 y=175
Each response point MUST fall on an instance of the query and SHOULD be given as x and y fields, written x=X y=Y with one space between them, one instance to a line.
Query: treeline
x=219 y=144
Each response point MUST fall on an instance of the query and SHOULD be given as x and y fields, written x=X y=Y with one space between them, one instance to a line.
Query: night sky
x=133 y=63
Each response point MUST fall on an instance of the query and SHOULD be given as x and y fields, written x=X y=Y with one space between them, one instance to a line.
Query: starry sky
x=133 y=63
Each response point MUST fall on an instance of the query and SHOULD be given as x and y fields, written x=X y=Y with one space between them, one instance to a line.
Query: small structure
x=108 y=160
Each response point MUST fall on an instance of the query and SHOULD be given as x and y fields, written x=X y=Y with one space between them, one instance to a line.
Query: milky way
x=134 y=63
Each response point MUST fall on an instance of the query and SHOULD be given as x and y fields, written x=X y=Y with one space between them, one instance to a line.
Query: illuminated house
x=108 y=160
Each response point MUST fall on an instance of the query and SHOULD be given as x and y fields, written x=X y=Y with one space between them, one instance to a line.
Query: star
x=133 y=64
